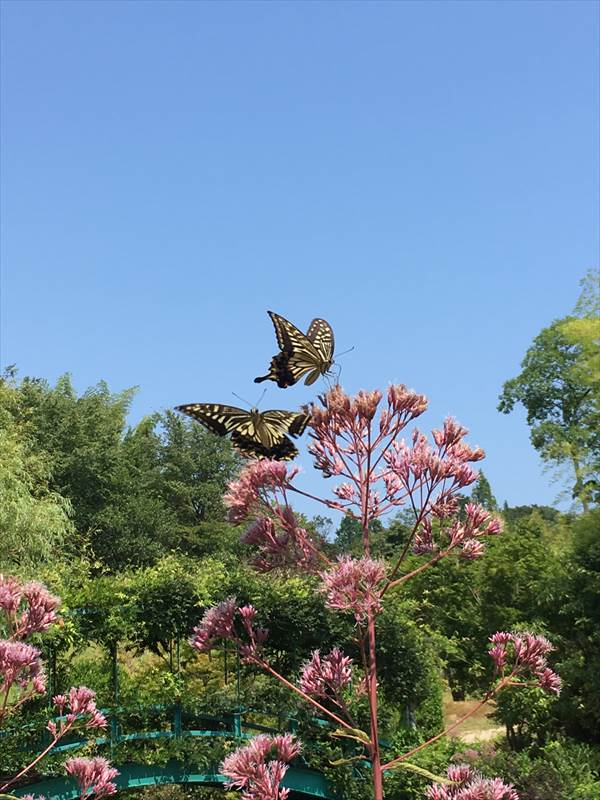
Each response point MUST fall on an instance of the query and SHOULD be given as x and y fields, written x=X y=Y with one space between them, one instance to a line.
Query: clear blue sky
x=424 y=175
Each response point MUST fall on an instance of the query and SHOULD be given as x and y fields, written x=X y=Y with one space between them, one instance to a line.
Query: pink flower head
x=326 y=676
x=216 y=623
x=354 y=585
x=423 y=542
x=29 y=608
x=290 y=545
x=41 y=609
x=468 y=785
x=80 y=702
x=254 y=481
x=20 y=666
x=403 y=401
x=255 y=636
x=10 y=594
x=259 y=767
x=526 y=653
x=94 y=776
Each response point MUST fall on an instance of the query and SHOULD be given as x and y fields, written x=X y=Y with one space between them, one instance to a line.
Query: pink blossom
x=259 y=767
x=256 y=636
x=354 y=585
x=345 y=491
x=423 y=542
x=469 y=785
x=255 y=479
x=80 y=702
x=326 y=676
x=526 y=653
x=10 y=594
x=20 y=665
x=41 y=610
x=283 y=546
x=217 y=622
x=405 y=402
x=37 y=604
x=472 y=548
x=94 y=776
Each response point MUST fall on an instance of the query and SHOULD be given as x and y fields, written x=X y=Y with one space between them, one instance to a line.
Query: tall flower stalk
x=362 y=443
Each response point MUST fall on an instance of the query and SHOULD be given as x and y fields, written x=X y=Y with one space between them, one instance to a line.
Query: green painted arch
x=303 y=783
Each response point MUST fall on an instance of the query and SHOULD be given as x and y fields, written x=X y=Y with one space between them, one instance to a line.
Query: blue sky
x=423 y=175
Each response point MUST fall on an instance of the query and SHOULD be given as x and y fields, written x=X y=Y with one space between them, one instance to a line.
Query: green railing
x=178 y=723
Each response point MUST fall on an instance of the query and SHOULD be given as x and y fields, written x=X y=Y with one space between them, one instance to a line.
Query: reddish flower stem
x=268 y=668
x=487 y=697
x=38 y=758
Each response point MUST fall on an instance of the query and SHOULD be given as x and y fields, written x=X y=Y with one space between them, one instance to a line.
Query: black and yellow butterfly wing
x=262 y=435
x=321 y=335
x=284 y=450
x=301 y=354
x=219 y=419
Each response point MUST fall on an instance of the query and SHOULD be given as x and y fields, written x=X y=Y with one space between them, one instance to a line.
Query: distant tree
x=348 y=535
x=561 y=396
x=195 y=467
x=34 y=520
x=136 y=493
x=482 y=493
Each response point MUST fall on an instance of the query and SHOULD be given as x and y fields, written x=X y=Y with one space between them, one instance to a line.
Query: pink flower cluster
x=28 y=608
x=468 y=785
x=254 y=482
x=466 y=535
x=326 y=676
x=342 y=425
x=94 y=776
x=444 y=467
x=78 y=705
x=354 y=584
x=524 y=653
x=20 y=666
x=349 y=442
x=218 y=622
x=259 y=767
x=283 y=545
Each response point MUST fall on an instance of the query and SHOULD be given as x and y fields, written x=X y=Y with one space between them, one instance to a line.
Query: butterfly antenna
x=243 y=399
x=260 y=399
x=345 y=352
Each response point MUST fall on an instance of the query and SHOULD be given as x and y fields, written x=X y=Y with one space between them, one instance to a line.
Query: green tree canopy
x=560 y=392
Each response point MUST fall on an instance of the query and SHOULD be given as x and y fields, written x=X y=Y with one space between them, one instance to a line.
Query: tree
x=137 y=493
x=561 y=400
x=482 y=493
x=34 y=520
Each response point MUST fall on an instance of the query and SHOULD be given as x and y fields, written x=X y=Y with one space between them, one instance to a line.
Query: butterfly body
x=253 y=433
x=309 y=354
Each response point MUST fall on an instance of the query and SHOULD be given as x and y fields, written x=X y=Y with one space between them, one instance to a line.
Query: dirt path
x=478 y=728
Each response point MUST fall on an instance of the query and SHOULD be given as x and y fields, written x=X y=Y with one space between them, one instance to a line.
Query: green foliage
x=136 y=493
x=527 y=715
x=34 y=519
x=482 y=493
x=560 y=389
x=561 y=770
x=579 y=623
